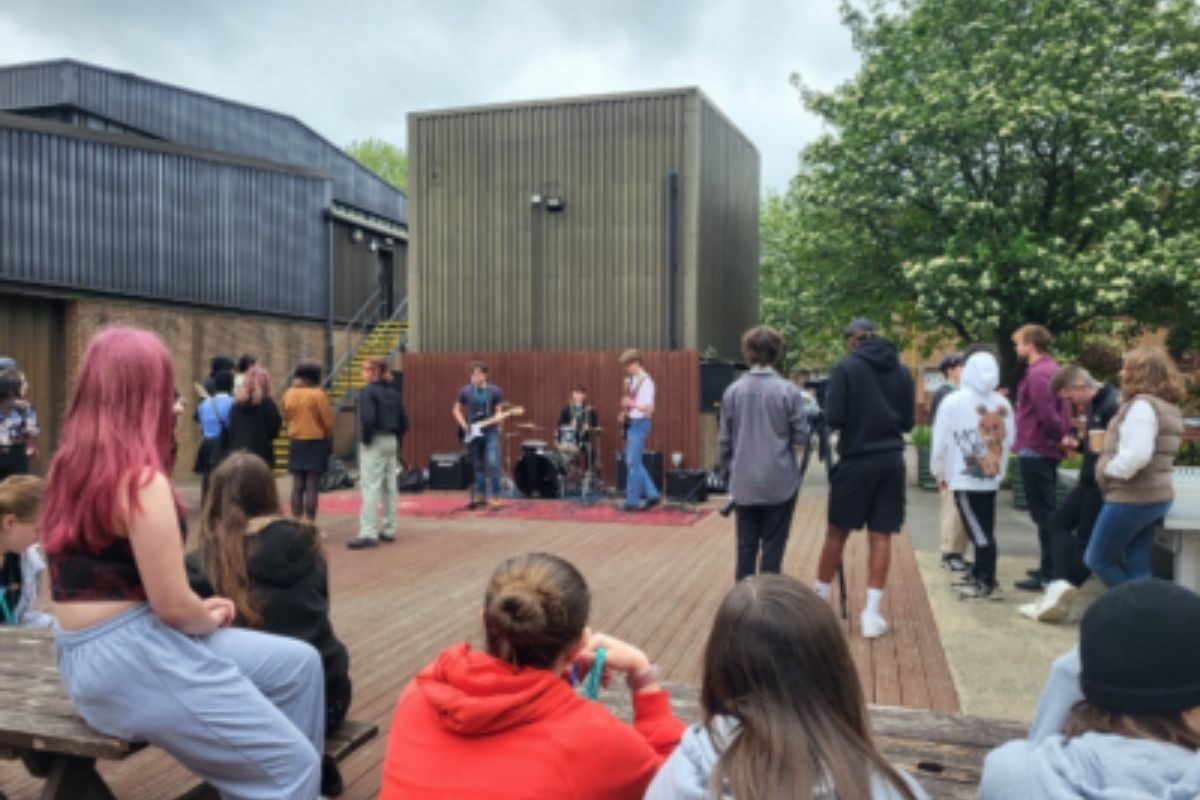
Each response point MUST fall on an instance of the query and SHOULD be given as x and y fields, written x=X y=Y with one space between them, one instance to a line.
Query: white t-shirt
x=642 y=392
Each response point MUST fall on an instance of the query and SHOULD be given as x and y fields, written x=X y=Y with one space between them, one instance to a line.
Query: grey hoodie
x=1095 y=766
x=684 y=776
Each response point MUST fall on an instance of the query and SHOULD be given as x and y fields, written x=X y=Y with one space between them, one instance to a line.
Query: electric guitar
x=477 y=429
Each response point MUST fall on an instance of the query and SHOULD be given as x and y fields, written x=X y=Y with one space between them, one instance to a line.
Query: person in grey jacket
x=762 y=419
x=784 y=715
x=1120 y=715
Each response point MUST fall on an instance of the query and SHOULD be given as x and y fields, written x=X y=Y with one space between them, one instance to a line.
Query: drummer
x=579 y=417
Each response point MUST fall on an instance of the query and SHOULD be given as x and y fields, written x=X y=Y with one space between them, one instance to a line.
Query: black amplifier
x=450 y=471
x=687 y=485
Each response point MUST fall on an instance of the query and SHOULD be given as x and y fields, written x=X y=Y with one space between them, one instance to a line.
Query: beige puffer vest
x=1153 y=483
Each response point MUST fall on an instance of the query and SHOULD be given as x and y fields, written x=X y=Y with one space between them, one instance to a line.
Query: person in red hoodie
x=505 y=724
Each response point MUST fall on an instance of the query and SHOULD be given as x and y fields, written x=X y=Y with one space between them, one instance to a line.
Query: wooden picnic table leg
x=68 y=777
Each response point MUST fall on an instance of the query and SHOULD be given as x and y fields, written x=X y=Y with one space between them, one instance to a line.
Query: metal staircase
x=367 y=337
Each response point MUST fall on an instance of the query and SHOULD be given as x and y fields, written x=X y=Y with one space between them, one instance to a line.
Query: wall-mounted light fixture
x=555 y=204
x=356 y=235
x=535 y=199
x=373 y=246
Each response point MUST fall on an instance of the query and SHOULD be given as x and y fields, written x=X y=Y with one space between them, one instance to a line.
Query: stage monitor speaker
x=652 y=460
x=715 y=377
x=450 y=471
x=687 y=485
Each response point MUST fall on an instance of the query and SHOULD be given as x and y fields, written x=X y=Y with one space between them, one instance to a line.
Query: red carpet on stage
x=453 y=506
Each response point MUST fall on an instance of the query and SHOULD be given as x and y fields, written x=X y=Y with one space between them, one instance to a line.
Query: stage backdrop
x=541 y=382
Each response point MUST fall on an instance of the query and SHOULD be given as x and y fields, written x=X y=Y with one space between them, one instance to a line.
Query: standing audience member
x=1073 y=521
x=784 y=715
x=18 y=425
x=506 y=724
x=396 y=384
x=379 y=426
x=140 y=655
x=762 y=420
x=870 y=402
x=971 y=440
x=254 y=419
x=273 y=569
x=950 y=525
x=1042 y=422
x=637 y=409
x=240 y=369
x=309 y=419
x=23 y=578
x=1120 y=716
x=218 y=365
x=213 y=414
x=1136 y=467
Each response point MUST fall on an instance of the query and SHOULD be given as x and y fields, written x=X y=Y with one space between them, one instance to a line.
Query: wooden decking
x=397 y=606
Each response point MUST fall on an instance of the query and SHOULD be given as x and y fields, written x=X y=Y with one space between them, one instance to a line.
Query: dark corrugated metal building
x=591 y=223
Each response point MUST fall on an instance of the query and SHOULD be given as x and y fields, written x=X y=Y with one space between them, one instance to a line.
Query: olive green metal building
x=589 y=223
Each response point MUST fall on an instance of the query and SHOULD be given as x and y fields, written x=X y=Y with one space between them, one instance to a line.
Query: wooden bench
x=944 y=752
x=39 y=726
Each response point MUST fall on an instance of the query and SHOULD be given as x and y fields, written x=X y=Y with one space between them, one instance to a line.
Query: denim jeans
x=485 y=460
x=637 y=482
x=1122 y=541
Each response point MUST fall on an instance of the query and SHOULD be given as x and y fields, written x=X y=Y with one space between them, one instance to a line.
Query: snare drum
x=534 y=446
x=568 y=440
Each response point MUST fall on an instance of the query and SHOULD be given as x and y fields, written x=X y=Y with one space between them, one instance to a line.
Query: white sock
x=822 y=590
x=873 y=598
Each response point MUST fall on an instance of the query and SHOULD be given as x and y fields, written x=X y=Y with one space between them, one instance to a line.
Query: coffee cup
x=1096 y=439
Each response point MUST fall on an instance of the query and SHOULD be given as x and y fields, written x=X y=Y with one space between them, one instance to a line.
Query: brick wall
x=194 y=337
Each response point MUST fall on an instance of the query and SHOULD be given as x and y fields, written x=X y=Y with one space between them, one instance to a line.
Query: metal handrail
x=371 y=302
x=399 y=314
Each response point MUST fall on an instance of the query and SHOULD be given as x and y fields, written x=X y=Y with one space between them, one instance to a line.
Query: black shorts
x=868 y=491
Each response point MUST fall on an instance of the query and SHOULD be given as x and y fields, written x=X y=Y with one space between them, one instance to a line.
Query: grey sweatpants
x=242 y=709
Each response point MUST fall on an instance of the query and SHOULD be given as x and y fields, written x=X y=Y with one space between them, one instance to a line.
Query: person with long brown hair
x=505 y=724
x=1135 y=469
x=1120 y=715
x=784 y=715
x=273 y=568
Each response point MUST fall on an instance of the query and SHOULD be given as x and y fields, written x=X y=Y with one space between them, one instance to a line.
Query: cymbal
x=596 y=428
x=528 y=426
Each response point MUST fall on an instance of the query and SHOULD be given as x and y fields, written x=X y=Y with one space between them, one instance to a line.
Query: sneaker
x=387 y=539
x=1036 y=572
x=954 y=562
x=873 y=625
x=626 y=507
x=494 y=504
x=361 y=543
x=1030 y=585
x=978 y=590
x=474 y=504
x=651 y=502
x=1030 y=610
x=1054 y=605
x=962 y=579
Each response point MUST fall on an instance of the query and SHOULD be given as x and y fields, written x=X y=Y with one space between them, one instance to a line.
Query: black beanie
x=1140 y=648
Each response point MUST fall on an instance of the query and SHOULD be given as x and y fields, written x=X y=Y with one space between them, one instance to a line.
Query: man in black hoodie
x=870 y=402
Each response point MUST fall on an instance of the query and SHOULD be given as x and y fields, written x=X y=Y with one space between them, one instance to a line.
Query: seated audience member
x=140 y=655
x=507 y=724
x=784 y=715
x=1120 y=716
x=273 y=569
x=23 y=571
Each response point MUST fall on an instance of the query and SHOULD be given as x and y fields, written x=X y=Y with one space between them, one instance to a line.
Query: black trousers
x=764 y=528
x=1040 y=478
x=978 y=511
x=13 y=461
x=1071 y=530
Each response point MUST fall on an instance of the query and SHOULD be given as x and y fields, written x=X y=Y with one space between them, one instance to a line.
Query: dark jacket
x=255 y=428
x=380 y=411
x=941 y=394
x=870 y=400
x=289 y=579
x=1100 y=412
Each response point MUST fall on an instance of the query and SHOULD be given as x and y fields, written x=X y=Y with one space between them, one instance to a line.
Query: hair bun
x=518 y=610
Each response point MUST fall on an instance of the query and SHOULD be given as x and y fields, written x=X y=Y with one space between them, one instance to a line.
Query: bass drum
x=540 y=474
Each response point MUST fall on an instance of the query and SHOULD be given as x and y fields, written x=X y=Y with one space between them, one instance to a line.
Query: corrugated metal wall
x=492 y=271
x=95 y=216
x=357 y=273
x=542 y=382
x=198 y=120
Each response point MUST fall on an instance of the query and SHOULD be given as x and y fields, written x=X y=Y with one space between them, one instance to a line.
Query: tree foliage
x=383 y=158
x=1002 y=162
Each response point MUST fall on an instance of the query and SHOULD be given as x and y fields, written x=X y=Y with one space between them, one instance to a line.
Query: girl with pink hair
x=141 y=655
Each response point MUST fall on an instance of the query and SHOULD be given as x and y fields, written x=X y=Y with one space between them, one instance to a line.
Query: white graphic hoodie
x=974 y=430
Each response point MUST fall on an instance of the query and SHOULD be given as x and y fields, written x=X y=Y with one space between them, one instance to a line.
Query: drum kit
x=566 y=467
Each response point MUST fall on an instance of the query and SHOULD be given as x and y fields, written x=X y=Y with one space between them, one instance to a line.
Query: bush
x=922 y=437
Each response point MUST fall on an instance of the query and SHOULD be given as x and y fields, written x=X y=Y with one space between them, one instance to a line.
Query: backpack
x=411 y=480
x=335 y=476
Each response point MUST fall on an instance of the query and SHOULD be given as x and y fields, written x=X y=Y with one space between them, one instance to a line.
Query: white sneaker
x=873 y=625
x=1030 y=610
x=1056 y=602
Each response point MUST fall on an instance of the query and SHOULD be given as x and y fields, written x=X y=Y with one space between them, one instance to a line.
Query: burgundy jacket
x=1042 y=419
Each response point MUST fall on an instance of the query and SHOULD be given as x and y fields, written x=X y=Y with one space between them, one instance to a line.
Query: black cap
x=858 y=327
x=951 y=361
x=1140 y=648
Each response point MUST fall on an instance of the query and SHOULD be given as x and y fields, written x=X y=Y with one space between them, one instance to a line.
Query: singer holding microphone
x=762 y=420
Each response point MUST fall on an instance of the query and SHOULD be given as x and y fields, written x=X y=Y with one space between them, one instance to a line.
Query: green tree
x=383 y=158
x=1010 y=161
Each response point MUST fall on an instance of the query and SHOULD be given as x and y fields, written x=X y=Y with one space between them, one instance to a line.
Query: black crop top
x=111 y=575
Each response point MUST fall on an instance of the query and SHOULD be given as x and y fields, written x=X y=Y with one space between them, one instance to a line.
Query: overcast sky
x=353 y=69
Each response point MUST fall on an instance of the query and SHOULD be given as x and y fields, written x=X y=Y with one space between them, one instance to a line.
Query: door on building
x=33 y=333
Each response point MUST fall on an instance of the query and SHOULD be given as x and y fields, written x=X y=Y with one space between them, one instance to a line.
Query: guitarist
x=637 y=406
x=480 y=401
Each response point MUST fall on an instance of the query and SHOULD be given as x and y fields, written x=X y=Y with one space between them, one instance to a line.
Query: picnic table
x=39 y=726
x=944 y=752
x=1180 y=531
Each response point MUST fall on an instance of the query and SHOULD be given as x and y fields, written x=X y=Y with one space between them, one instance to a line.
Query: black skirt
x=308 y=455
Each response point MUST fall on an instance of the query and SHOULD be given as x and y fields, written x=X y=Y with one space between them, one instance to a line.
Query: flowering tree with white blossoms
x=1011 y=161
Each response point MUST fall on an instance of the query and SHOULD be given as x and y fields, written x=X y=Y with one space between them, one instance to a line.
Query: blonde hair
x=1149 y=370
x=21 y=496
